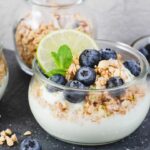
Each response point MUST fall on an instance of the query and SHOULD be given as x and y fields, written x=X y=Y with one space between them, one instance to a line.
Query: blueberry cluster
x=86 y=75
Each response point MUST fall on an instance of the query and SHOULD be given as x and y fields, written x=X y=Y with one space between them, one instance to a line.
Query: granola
x=3 y=68
x=28 y=35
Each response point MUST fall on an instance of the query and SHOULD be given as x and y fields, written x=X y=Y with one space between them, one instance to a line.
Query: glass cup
x=4 y=75
x=103 y=117
x=140 y=43
x=44 y=17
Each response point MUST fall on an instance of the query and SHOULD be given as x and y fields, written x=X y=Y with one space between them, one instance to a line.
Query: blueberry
x=107 y=54
x=89 y=58
x=133 y=67
x=30 y=144
x=72 y=95
x=86 y=75
x=59 y=79
x=147 y=47
x=115 y=82
x=145 y=52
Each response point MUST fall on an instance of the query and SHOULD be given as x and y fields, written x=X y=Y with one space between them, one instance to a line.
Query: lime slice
x=76 y=40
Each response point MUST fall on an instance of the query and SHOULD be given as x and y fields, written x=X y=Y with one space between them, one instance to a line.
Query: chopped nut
x=27 y=133
x=2 y=139
x=14 y=138
x=8 y=131
x=1 y=143
x=9 y=141
x=3 y=133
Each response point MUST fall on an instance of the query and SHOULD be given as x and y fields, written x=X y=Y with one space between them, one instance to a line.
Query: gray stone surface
x=15 y=114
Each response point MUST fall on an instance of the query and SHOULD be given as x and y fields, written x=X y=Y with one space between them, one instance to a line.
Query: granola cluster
x=105 y=70
x=3 y=68
x=8 y=137
x=29 y=32
x=97 y=105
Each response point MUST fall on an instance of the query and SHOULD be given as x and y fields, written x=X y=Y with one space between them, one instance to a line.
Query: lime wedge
x=76 y=40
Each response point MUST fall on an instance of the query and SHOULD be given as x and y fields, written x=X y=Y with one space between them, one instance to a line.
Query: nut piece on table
x=27 y=133
x=8 y=132
x=9 y=141
x=14 y=138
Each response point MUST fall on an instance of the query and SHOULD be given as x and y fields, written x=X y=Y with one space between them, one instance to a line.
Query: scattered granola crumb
x=14 y=138
x=3 y=133
x=7 y=137
x=1 y=143
x=2 y=139
x=27 y=133
x=8 y=131
x=9 y=141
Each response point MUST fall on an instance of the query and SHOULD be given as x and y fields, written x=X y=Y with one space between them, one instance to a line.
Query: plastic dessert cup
x=95 y=121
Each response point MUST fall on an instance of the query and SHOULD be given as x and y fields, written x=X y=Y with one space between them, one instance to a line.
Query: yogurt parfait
x=3 y=73
x=88 y=92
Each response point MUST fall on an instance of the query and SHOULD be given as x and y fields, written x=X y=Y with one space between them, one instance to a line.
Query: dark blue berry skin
x=133 y=67
x=145 y=52
x=72 y=95
x=30 y=144
x=107 y=54
x=147 y=47
x=115 y=82
x=59 y=79
x=89 y=58
x=86 y=75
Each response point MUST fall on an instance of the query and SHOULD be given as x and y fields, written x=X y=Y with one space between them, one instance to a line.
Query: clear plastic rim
x=55 y=5
x=142 y=60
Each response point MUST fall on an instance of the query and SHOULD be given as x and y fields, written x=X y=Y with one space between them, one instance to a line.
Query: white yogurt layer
x=3 y=85
x=109 y=129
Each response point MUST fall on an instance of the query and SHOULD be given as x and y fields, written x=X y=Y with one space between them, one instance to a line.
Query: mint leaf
x=56 y=71
x=55 y=59
x=62 y=59
x=65 y=56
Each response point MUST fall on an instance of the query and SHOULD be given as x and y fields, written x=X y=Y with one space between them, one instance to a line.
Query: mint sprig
x=62 y=60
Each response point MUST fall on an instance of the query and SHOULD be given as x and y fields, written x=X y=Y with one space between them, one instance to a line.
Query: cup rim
x=139 y=39
x=57 y=5
x=142 y=60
